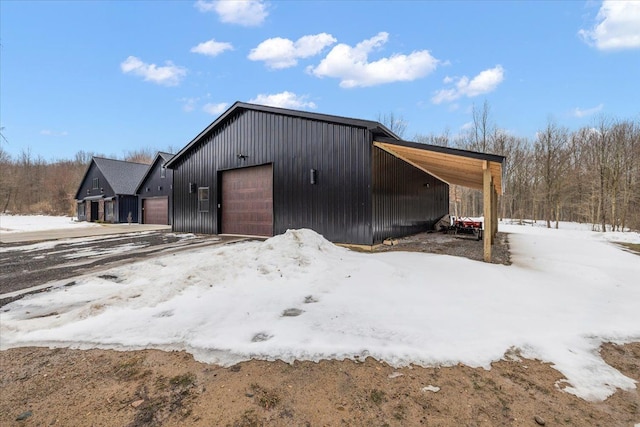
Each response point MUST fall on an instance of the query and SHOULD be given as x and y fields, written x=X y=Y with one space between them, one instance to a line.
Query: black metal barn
x=155 y=192
x=261 y=170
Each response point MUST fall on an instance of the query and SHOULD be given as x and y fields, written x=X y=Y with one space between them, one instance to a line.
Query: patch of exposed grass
x=266 y=399
x=148 y=414
x=131 y=369
x=631 y=247
x=183 y=381
x=399 y=412
x=173 y=398
x=248 y=419
x=377 y=396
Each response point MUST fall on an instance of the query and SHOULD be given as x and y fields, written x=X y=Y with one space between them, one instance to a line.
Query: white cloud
x=618 y=26
x=168 y=75
x=485 y=82
x=579 y=112
x=280 y=53
x=351 y=64
x=189 y=104
x=249 y=13
x=215 y=109
x=211 y=48
x=467 y=126
x=284 y=100
x=49 y=132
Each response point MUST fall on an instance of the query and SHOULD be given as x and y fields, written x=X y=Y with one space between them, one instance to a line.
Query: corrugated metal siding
x=155 y=186
x=338 y=206
x=126 y=205
x=405 y=199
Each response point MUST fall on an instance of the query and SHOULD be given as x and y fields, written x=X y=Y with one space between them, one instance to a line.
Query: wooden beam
x=488 y=190
x=495 y=214
x=414 y=164
x=450 y=168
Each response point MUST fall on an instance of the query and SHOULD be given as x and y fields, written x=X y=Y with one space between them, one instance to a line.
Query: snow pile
x=297 y=296
x=21 y=223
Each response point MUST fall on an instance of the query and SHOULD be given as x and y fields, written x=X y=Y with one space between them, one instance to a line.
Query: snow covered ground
x=297 y=296
x=21 y=223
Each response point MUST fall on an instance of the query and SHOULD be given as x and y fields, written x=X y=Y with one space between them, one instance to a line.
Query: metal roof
x=123 y=177
x=377 y=128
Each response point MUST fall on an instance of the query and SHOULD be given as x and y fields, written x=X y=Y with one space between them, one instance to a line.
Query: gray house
x=155 y=192
x=107 y=191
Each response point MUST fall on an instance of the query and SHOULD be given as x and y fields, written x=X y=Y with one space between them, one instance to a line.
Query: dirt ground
x=462 y=245
x=63 y=387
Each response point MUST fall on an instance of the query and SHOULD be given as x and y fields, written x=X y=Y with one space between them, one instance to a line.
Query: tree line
x=31 y=185
x=590 y=175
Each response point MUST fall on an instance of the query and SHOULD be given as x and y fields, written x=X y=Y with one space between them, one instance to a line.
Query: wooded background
x=591 y=175
x=31 y=185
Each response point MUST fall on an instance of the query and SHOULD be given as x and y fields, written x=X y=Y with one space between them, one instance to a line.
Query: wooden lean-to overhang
x=451 y=165
x=479 y=171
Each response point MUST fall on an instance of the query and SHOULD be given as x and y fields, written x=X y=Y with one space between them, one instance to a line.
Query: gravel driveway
x=33 y=267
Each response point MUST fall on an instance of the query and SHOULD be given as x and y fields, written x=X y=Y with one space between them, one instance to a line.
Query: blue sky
x=111 y=77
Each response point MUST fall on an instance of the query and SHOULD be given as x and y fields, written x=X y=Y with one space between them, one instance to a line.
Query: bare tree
x=442 y=140
x=601 y=142
x=141 y=155
x=631 y=177
x=550 y=155
x=395 y=124
x=477 y=138
x=6 y=174
x=481 y=128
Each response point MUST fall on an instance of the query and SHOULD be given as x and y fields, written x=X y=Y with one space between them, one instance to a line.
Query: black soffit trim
x=444 y=150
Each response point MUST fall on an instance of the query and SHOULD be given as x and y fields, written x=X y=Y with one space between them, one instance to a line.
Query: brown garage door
x=155 y=210
x=247 y=201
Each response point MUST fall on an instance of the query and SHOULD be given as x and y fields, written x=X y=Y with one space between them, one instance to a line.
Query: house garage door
x=155 y=210
x=247 y=201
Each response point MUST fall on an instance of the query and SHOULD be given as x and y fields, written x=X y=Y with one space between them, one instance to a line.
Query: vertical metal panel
x=126 y=205
x=156 y=186
x=339 y=153
x=406 y=200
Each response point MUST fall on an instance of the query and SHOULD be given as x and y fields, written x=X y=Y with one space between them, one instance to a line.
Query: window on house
x=163 y=172
x=203 y=199
x=96 y=183
x=81 y=211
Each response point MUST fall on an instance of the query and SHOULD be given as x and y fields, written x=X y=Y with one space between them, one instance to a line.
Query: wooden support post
x=487 y=190
x=495 y=212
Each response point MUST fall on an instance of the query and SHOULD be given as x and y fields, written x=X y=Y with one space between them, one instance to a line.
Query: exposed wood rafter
x=458 y=167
